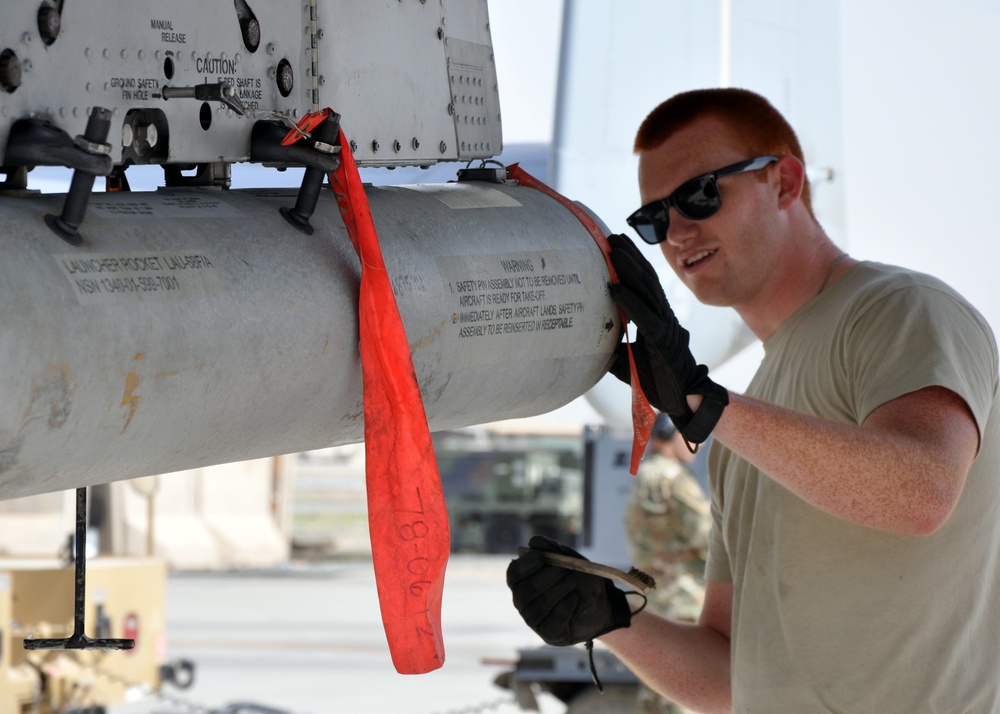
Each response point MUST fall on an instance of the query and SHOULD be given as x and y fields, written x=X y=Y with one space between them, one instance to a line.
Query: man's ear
x=791 y=177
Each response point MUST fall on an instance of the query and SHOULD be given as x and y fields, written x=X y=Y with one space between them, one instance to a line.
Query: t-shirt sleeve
x=717 y=565
x=919 y=336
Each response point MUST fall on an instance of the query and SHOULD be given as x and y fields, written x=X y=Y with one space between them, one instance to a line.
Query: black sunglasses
x=696 y=200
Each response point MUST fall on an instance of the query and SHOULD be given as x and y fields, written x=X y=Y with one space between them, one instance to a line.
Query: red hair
x=753 y=121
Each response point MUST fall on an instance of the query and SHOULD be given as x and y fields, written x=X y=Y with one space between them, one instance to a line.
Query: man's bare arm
x=689 y=664
x=902 y=471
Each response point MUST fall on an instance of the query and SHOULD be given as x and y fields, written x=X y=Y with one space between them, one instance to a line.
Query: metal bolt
x=375 y=146
x=10 y=71
x=415 y=143
x=49 y=23
x=148 y=134
x=442 y=147
x=270 y=48
x=396 y=146
x=354 y=146
x=451 y=109
x=285 y=77
x=250 y=29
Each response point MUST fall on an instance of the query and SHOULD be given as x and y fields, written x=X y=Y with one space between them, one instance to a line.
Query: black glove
x=563 y=606
x=667 y=370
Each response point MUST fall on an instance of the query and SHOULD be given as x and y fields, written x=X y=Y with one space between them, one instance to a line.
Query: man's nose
x=680 y=229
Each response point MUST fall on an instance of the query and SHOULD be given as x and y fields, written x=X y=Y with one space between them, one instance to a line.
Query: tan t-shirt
x=829 y=616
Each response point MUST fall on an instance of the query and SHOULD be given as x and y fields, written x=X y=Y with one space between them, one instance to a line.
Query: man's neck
x=803 y=276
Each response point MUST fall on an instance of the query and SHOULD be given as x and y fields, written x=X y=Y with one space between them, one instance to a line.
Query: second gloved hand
x=563 y=606
x=667 y=370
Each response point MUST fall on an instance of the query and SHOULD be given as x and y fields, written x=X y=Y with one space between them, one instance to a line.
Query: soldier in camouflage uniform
x=668 y=522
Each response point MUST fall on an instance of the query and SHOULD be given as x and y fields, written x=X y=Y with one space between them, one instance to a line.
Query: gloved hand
x=563 y=606
x=666 y=368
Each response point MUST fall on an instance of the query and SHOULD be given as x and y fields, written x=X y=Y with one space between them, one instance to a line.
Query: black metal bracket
x=36 y=142
x=81 y=186
x=266 y=148
x=79 y=640
x=322 y=141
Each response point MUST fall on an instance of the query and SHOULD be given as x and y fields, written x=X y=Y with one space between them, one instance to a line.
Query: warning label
x=514 y=295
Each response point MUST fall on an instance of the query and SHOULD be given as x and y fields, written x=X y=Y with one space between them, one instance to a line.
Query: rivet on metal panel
x=106 y=53
x=415 y=143
x=270 y=48
x=440 y=33
x=86 y=52
x=375 y=146
x=451 y=109
x=396 y=146
x=124 y=54
x=354 y=144
x=443 y=147
x=26 y=38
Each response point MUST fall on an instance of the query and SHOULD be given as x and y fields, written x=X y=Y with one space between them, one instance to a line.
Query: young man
x=854 y=563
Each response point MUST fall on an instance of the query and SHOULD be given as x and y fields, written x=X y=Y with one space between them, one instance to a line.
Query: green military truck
x=503 y=488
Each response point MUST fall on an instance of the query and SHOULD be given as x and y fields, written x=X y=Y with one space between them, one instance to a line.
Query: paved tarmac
x=309 y=640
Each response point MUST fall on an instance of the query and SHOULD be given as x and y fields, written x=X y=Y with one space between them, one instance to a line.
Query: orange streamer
x=407 y=517
x=643 y=415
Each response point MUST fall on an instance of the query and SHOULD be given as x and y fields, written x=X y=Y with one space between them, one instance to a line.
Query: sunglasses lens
x=651 y=222
x=699 y=198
